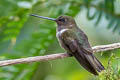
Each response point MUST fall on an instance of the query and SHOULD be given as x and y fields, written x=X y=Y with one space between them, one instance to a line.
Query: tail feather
x=101 y=67
x=88 y=61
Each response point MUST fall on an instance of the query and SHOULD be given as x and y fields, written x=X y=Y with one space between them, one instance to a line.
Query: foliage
x=23 y=36
x=112 y=72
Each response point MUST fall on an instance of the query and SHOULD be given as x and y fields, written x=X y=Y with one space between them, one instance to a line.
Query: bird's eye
x=62 y=20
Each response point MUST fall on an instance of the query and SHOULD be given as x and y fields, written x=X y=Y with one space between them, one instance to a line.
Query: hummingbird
x=75 y=42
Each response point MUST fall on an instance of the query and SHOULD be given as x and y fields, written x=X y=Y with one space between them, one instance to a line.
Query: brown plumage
x=75 y=42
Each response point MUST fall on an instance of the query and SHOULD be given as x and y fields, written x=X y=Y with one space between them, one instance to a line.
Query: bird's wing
x=78 y=36
x=83 y=41
x=81 y=53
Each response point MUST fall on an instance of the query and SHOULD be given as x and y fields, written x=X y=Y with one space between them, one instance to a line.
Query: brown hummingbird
x=75 y=43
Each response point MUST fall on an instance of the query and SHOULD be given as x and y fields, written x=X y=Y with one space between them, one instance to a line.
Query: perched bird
x=75 y=42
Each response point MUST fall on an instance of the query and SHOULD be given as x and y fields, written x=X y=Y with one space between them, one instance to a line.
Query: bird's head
x=65 y=21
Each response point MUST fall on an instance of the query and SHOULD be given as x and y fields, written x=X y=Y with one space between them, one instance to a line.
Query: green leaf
x=93 y=16
x=99 y=18
x=116 y=27
x=111 y=23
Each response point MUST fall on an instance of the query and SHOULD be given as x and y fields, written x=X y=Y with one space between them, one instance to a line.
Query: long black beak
x=43 y=17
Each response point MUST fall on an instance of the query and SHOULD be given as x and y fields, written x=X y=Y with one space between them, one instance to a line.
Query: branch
x=99 y=48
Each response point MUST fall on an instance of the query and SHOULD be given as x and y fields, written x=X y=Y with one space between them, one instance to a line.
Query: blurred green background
x=24 y=36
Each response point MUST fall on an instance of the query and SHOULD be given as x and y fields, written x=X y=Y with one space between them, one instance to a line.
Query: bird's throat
x=60 y=32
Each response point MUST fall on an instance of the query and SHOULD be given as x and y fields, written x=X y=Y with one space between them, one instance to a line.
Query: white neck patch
x=61 y=31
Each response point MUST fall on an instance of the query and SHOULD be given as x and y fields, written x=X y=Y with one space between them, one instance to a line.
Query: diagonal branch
x=99 y=48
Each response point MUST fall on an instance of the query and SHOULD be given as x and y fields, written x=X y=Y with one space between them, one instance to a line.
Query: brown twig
x=99 y=48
